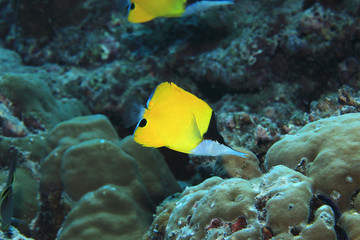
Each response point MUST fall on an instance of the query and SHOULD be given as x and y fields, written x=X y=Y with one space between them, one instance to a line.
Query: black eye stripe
x=132 y=6
x=143 y=122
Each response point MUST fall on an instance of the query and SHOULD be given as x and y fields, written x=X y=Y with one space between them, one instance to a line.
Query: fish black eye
x=132 y=6
x=143 y=122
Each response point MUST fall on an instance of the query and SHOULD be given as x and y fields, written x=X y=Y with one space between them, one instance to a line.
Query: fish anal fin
x=195 y=127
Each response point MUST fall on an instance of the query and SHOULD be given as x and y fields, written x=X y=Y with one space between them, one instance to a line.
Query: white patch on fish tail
x=201 y=6
x=133 y=114
x=214 y=148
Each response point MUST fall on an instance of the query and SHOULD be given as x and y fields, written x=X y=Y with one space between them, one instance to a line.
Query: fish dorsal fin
x=162 y=94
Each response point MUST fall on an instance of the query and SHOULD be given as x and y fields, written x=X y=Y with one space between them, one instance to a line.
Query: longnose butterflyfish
x=177 y=119
x=140 y=11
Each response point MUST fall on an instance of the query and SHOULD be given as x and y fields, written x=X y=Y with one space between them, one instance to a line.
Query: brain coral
x=327 y=151
x=89 y=147
x=65 y=135
x=86 y=155
x=98 y=162
x=276 y=205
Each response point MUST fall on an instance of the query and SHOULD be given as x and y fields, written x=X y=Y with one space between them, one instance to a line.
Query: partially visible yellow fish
x=146 y=10
x=176 y=119
x=6 y=198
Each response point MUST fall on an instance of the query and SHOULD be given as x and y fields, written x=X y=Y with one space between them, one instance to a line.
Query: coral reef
x=140 y=173
x=33 y=98
x=241 y=209
x=106 y=213
x=29 y=106
x=350 y=222
x=13 y=234
x=325 y=151
x=225 y=166
x=24 y=203
x=268 y=68
x=92 y=141
x=232 y=166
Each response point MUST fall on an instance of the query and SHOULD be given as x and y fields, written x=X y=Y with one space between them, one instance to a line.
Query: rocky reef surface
x=282 y=76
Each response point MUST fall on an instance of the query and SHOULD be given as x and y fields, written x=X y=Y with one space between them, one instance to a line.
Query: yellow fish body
x=177 y=119
x=145 y=10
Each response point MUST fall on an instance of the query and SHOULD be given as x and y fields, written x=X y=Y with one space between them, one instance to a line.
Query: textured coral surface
x=327 y=151
x=245 y=209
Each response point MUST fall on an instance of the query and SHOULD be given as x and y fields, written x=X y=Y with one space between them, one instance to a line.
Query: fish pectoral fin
x=133 y=114
x=190 y=136
x=195 y=127
x=214 y=148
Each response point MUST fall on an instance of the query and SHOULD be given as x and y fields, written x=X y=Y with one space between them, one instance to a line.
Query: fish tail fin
x=231 y=151
x=133 y=114
x=203 y=5
x=214 y=148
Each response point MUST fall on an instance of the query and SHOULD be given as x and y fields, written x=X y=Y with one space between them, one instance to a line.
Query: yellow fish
x=177 y=119
x=140 y=11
